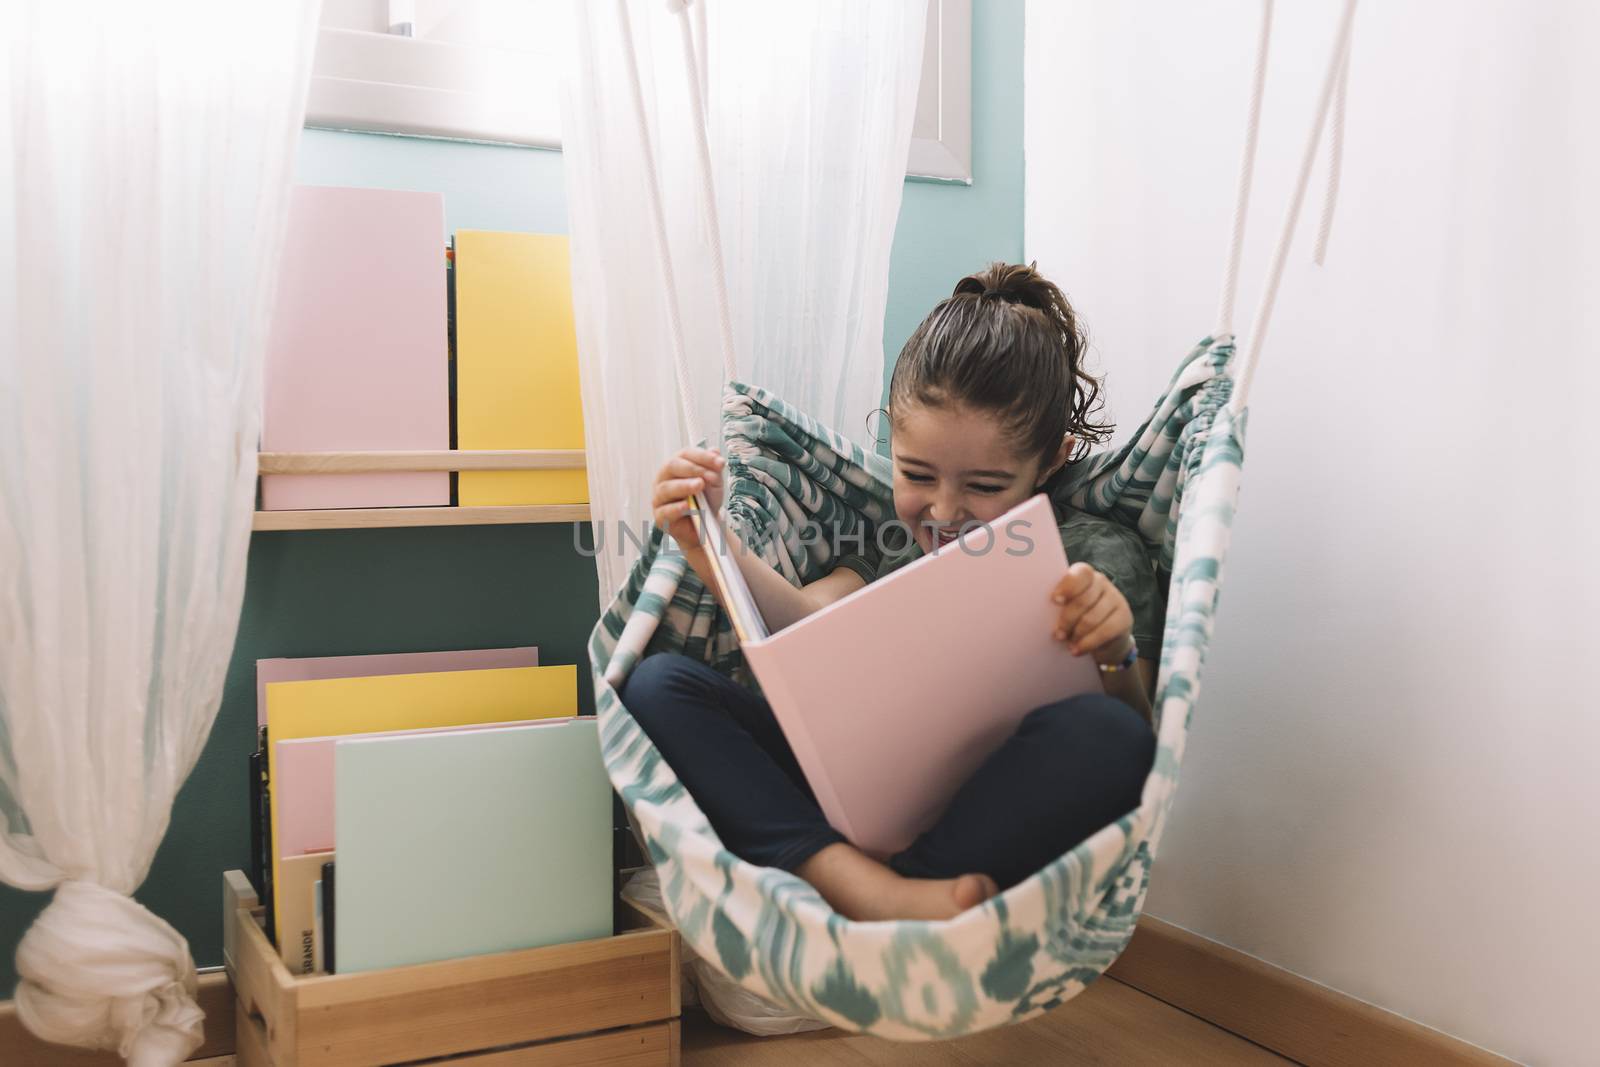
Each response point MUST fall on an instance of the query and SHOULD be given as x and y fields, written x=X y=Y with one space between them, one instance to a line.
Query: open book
x=893 y=696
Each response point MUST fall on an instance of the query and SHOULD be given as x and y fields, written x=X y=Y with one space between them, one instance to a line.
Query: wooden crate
x=612 y=1000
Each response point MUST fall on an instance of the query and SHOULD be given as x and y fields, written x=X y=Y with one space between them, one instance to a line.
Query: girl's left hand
x=1094 y=616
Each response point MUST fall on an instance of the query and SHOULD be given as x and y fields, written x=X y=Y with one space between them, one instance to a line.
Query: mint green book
x=458 y=844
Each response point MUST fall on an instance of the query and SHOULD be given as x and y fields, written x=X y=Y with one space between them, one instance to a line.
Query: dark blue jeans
x=1071 y=768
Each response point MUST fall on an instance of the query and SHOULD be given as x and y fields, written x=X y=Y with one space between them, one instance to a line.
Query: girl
x=987 y=405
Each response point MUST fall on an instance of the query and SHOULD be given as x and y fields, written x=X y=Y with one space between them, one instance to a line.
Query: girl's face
x=953 y=465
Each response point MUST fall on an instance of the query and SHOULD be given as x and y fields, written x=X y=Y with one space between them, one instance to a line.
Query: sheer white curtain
x=809 y=108
x=147 y=153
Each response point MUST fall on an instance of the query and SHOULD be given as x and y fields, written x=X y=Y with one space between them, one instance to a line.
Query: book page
x=736 y=596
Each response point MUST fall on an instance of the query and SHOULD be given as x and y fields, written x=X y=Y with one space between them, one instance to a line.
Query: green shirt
x=1115 y=551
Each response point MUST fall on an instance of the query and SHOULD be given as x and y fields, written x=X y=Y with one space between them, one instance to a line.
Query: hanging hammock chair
x=1044 y=940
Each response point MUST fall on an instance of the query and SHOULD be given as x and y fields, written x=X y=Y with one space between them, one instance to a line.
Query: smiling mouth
x=944 y=537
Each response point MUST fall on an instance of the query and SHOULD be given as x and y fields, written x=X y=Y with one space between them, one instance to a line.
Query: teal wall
x=347 y=592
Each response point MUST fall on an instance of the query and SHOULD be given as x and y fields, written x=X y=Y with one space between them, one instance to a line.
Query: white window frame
x=947 y=156
x=388 y=83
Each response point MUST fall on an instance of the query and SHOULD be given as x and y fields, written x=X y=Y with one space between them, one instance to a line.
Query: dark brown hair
x=1006 y=342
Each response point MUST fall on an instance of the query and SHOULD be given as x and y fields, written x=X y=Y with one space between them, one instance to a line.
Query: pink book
x=304 y=786
x=893 y=696
x=358 y=354
x=317 y=668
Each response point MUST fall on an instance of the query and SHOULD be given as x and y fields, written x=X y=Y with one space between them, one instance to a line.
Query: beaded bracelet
x=1124 y=664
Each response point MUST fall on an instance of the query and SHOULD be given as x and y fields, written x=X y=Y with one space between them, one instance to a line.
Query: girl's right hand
x=691 y=471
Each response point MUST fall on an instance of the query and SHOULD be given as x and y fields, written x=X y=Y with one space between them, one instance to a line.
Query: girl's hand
x=1094 y=616
x=691 y=471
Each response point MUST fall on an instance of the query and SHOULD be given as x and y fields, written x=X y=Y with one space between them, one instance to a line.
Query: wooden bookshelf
x=533 y=459
x=607 y=1000
x=375 y=518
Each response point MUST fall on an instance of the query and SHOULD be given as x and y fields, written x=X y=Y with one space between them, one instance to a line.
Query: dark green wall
x=347 y=592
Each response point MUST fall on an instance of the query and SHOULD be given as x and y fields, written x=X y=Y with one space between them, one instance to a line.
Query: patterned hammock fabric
x=1045 y=939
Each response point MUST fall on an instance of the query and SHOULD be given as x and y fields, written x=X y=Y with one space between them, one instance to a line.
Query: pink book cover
x=318 y=668
x=893 y=696
x=358 y=353
x=304 y=788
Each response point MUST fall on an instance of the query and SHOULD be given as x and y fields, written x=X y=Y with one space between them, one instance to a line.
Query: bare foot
x=970 y=890
x=859 y=887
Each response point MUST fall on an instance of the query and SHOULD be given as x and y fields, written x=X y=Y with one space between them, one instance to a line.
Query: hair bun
x=971 y=285
x=1013 y=283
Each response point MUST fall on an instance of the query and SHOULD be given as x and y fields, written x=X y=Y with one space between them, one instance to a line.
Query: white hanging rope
x=1330 y=199
x=669 y=283
x=1247 y=168
x=703 y=42
x=708 y=192
x=1244 y=369
x=1334 y=88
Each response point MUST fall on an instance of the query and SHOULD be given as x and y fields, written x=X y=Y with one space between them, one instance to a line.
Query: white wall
x=1391 y=785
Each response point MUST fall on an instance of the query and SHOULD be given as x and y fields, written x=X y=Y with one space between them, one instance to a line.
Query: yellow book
x=516 y=363
x=337 y=706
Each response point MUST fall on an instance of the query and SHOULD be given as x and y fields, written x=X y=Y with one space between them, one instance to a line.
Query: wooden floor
x=1108 y=1023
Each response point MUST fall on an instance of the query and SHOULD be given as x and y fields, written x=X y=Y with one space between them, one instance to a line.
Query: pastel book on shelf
x=468 y=842
x=358 y=353
x=305 y=790
x=297 y=926
x=312 y=668
x=516 y=364
x=333 y=707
